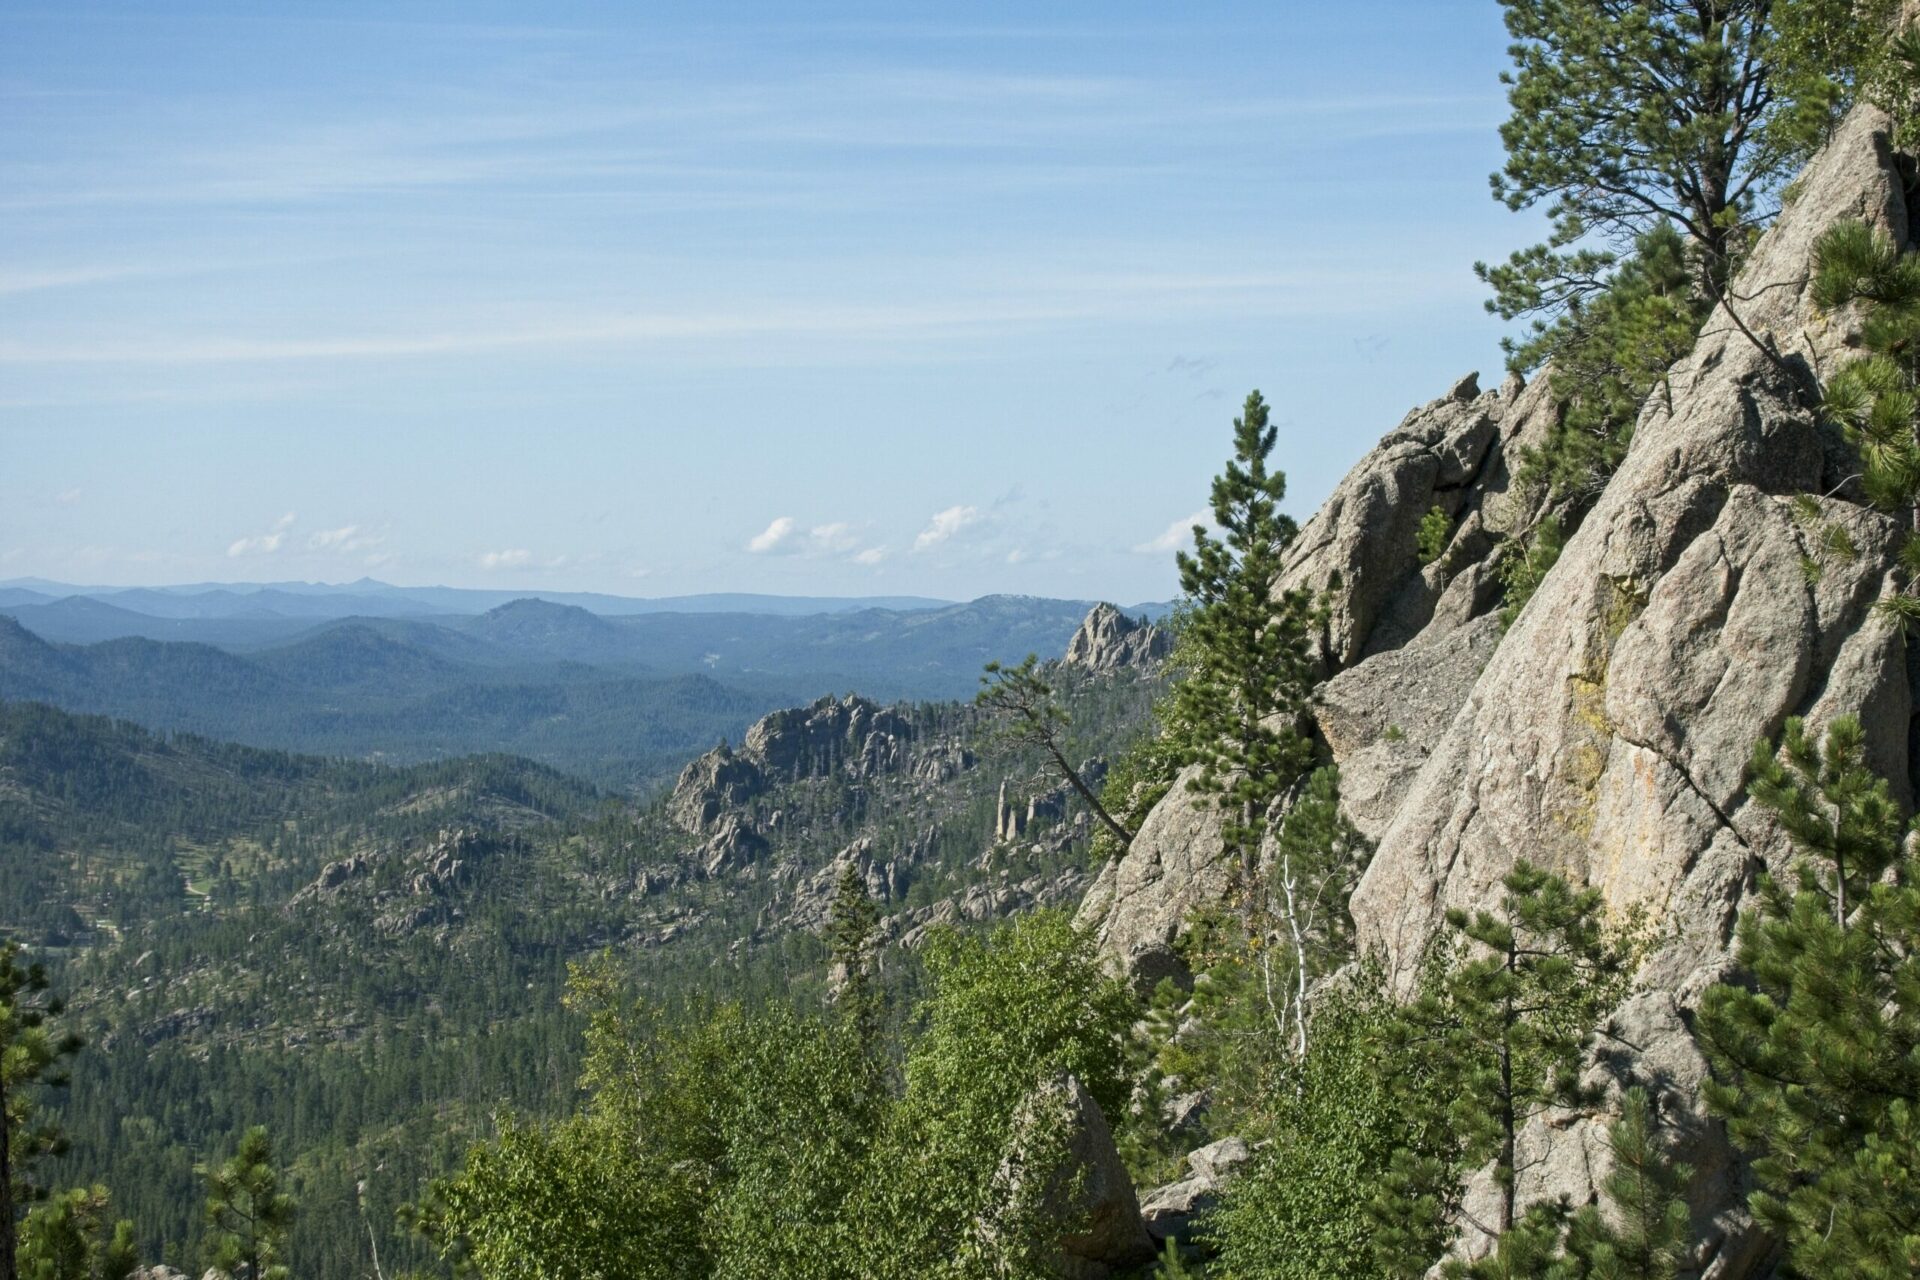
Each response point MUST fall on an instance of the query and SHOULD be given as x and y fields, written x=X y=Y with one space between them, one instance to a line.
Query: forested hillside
x=371 y=960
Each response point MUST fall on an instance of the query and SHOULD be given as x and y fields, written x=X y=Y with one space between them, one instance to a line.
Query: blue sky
x=646 y=298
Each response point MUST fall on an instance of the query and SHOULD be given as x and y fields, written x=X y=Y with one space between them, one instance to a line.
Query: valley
x=371 y=958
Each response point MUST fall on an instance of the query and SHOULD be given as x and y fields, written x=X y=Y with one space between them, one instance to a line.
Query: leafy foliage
x=1333 y=1122
x=1430 y=540
x=746 y=1142
x=577 y=1201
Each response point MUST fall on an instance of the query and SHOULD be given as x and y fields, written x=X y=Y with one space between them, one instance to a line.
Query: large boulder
x=1061 y=1164
x=1383 y=718
x=1174 y=1212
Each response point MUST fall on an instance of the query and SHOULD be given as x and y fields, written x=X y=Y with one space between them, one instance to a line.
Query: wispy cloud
x=17 y=281
x=262 y=544
x=988 y=305
x=347 y=539
x=945 y=526
x=514 y=558
x=870 y=556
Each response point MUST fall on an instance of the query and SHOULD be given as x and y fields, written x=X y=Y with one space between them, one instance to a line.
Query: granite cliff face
x=851 y=735
x=1604 y=734
x=1108 y=640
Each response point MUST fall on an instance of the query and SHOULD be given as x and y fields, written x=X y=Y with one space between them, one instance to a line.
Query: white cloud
x=68 y=497
x=945 y=525
x=785 y=537
x=263 y=543
x=1178 y=535
x=346 y=539
x=774 y=535
x=872 y=555
x=515 y=558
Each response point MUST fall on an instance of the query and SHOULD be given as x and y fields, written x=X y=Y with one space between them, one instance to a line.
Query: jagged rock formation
x=810 y=742
x=407 y=889
x=1047 y=805
x=1692 y=611
x=1108 y=640
x=851 y=734
x=713 y=784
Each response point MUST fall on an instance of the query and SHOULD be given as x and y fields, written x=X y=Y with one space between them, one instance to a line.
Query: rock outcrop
x=1108 y=640
x=1173 y=1212
x=852 y=735
x=1706 y=595
x=1062 y=1142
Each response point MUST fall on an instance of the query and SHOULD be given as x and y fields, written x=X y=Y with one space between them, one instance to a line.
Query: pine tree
x=1647 y=1236
x=249 y=1214
x=33 y=1052
x=1250 y=672
x=1876 y=398
x=1644 y=1237
x=1818 y=1061
x=71 y=1237
x=1633 y=114
x=1609 y=351
x=851 y=928
x=1502 y=1026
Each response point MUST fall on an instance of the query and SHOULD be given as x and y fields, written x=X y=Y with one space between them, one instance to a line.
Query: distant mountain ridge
x=371 y=597
x=622 y=701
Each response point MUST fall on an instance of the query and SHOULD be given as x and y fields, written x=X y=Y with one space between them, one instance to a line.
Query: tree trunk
x=9 y=1265
x=1507 y=1126
x=1072 y=775
x=1299 y=941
